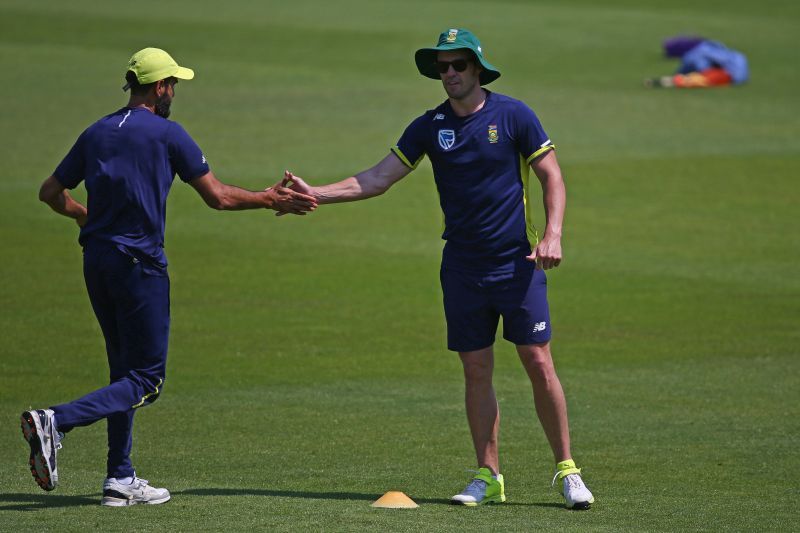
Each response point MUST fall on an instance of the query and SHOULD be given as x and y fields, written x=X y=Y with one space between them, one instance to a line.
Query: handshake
x=291 y=195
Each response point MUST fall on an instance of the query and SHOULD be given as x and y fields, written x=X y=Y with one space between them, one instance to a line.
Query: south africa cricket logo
x=493 y=133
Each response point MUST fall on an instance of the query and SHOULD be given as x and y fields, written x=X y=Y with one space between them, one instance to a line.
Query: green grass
x=308 y=372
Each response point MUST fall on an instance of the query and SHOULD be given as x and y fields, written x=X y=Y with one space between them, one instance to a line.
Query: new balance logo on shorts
x=539 y=326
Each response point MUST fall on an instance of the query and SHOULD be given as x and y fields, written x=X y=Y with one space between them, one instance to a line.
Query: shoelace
x=568 y=476
x=475 y=486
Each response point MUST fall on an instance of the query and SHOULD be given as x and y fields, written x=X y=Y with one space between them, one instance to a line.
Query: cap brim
x=184 y=73
x=425 y=58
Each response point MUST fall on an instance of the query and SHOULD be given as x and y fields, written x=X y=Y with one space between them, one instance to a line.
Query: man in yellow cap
x=128 y=160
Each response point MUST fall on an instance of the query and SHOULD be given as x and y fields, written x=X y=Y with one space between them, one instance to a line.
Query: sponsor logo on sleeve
x=447 y=138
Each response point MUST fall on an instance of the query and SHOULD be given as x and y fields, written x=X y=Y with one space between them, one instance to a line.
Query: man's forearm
x=348 y=190
x=58 y=198
x=64 y=204
x=233 y=198
x=554 y=193
x=371 y=182
x=555 y=201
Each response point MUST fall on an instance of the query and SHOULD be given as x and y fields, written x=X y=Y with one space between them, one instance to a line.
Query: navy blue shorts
x=473 y=305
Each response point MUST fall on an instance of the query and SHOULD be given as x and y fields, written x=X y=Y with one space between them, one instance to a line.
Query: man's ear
x=160 y=87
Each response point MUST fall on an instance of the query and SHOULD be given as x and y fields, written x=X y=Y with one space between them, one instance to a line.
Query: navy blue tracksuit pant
x=131 y=302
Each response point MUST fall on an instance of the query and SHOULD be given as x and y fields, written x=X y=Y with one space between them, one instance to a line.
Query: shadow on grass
x=330 y=496
x=38 y=502
x=35 y=502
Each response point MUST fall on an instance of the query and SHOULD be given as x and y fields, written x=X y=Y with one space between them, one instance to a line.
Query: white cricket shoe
x=116 y=494
x=41 y=435
x=576 y=495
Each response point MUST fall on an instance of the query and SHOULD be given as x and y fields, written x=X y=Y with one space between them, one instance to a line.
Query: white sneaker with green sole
x=484 y=488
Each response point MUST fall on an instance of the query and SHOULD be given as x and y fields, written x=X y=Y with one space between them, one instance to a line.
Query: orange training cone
x=395 y=500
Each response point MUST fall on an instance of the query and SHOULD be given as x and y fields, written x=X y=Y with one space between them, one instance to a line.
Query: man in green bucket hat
x=481 y=146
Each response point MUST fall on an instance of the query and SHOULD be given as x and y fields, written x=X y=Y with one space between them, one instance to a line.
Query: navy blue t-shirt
x=481 y=167
x=129 y=160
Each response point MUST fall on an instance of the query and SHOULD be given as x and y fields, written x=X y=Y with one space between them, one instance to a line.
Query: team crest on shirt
x=493 y=138
x=447 y=138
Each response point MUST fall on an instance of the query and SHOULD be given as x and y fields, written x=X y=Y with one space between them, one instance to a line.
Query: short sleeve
x=411 y=146
x=532 y=141
x=72 y=169
x=186 y=158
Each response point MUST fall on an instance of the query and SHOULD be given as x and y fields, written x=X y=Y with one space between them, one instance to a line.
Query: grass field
x=308 y=372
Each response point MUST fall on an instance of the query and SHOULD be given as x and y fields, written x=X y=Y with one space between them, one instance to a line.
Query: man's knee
x=537 y=360
x=150 y=387
x=478 y=366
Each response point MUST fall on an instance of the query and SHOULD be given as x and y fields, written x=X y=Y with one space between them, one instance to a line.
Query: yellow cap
x=153 y=64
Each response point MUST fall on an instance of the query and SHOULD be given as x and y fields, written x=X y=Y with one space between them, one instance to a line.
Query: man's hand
x=547 y=253
x=81 y=220
x=285 y=199
x=296 y=184
x=218 y=195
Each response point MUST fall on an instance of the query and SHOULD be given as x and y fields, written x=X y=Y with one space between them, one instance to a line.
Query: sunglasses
x=459 y=65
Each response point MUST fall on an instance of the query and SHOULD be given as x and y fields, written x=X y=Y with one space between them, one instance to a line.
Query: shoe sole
x=581 y=506
x=38 y=463
x=490 y=501
x=109 y=501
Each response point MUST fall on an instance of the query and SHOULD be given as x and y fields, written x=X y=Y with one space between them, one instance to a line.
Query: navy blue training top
x=129 y=160
x=481 y=167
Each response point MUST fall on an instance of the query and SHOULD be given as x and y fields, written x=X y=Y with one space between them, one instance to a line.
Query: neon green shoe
x=484 y=488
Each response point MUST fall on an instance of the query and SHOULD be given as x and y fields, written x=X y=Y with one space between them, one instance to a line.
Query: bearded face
x=164 y=101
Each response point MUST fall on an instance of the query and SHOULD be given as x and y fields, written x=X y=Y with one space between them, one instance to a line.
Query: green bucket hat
x=454 y=39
